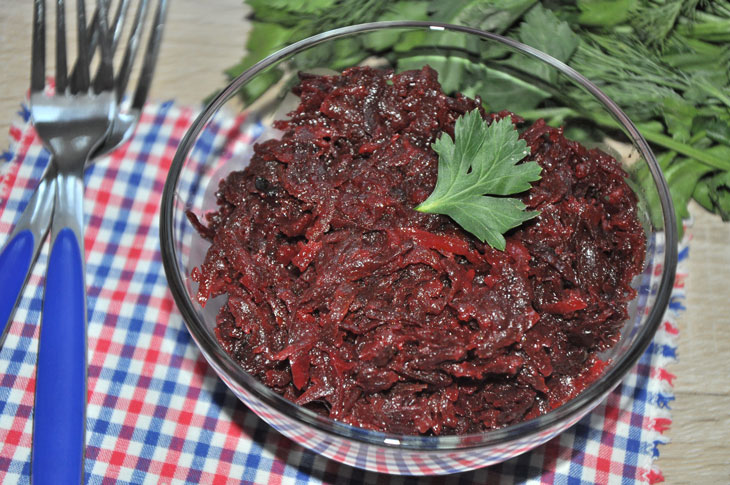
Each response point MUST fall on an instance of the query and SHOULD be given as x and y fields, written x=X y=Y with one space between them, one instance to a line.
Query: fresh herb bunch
x=665 y=62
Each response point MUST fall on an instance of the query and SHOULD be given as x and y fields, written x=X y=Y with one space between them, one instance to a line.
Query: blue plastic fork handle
x=15 y=263
x=60 y=400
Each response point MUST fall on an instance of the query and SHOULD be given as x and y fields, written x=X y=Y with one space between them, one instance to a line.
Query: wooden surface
x=203 y=38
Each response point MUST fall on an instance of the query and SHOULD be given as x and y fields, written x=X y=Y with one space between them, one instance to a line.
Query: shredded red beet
x=345 y=300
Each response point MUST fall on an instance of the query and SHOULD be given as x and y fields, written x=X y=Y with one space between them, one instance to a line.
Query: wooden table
x=202 y=38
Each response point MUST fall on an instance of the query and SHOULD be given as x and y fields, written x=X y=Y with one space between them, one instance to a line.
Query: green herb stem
x=650 y=135
x=717 y=30
x=717 y=93
x=533 y=114
x=689 y=151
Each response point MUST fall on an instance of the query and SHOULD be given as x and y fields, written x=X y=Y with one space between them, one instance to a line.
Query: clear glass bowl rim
x=585 y=400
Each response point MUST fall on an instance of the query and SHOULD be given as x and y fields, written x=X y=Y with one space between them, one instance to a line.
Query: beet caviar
x=345 y=300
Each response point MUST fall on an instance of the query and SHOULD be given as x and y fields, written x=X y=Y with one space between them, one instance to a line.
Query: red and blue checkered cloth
x=158 y=414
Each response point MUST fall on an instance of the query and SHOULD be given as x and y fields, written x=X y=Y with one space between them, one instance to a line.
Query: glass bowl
x=226 y=130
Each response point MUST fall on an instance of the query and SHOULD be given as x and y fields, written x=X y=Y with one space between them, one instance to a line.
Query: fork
x=127 y=118
x=71 y=124
x=64 y=452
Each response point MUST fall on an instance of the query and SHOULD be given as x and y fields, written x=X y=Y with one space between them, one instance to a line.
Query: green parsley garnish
x=477 y=167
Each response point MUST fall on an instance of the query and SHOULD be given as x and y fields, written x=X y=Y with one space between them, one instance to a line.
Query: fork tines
x=99 y=34
x=104 y=79
x=150 y=58
x=38 y=62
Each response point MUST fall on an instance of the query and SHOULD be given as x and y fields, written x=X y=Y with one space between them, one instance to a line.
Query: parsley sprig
x=477 y=167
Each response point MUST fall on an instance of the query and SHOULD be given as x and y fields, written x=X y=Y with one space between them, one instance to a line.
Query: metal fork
x=128 y=116
x=71 y=124
x=24 y=244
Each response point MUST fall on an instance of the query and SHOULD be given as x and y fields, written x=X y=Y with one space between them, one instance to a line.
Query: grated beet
x=345 y=300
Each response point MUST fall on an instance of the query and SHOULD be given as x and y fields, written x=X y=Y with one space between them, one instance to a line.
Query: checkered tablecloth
x=158 y=414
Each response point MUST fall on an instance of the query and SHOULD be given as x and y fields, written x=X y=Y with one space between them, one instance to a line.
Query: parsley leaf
x=543 y=29
x=482 y=159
